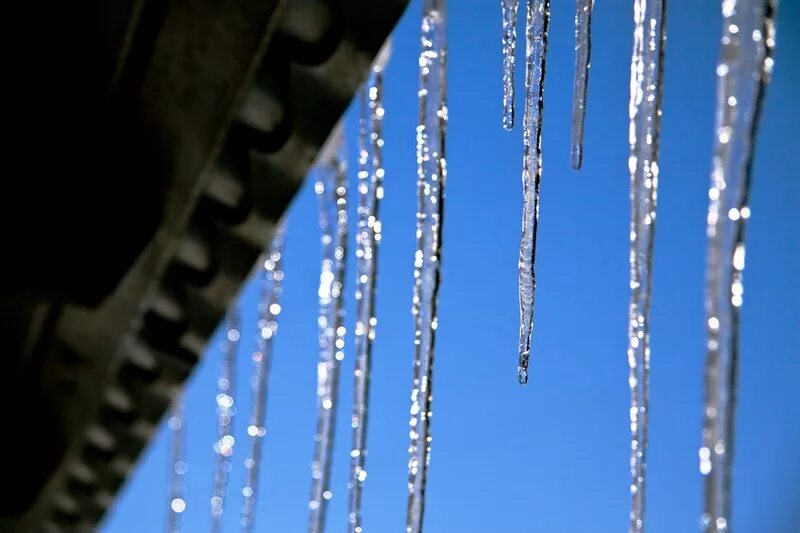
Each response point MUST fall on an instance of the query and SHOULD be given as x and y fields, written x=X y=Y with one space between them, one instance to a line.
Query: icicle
x=268 y=310
x=431 y=180
x=645 y=119
x=536 y=24
x=368 y=238
x=177 y=468
x=748 y=38
x=583 y=52
x=509 y=8
x=331 y=189
x=223 y=447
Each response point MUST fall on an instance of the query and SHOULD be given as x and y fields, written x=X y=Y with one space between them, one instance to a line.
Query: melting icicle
x=748 y=37
x=331 y=189
x=223 y=447
x=368 y=238
x=431 y=180
x=509 y=8
x=536 y=24
x=177 y=468
x=583 y=51
x=268 y=310
x=645 y=119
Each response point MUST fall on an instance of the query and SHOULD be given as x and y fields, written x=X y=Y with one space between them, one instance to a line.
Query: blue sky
x=553 y=456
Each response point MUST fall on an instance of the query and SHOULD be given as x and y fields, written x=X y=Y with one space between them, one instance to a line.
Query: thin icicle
x=269 y=308
x=645 y=120
x=431 y=181
x=748 y=38
x=223 y=447
x=509 y=8
x=583 y=57
x=536 y=23
x=177 y=468
x=331 y=189
x=368 y=238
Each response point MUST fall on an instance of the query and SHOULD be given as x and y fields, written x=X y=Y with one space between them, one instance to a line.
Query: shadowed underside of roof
x=214 y=111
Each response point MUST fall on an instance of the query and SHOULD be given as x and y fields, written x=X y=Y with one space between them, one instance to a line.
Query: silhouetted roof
x=214 y=113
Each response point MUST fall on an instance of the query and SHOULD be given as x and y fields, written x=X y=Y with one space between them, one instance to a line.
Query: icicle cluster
x=748 y=38
x=743 y=72
x=509 y=9
x=431 y=179
x=645 y=121
x=368 y=238
x=583 y=51
x=268 y=310
x=537 y=21
x=223 y=447
x=331 y=189
x=177 y=468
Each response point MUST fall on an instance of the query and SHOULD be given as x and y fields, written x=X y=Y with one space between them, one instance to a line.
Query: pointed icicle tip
x=522 y=375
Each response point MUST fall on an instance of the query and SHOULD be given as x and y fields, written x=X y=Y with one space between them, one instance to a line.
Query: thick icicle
x=748 y=37
x=269 y=308
x=431 y=180
x=177 y=468
x=509 y=8
x=331 y=189
x=583 y=56
x=368 y=238
x=645 y=120
x=537 y=21
x=223 y=447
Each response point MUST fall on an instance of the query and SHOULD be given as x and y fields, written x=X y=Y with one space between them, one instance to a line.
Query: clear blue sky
x=551 y=457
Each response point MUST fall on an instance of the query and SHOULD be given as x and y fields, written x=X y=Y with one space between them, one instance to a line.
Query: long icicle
x=583 y=57
x=537 y=21
x=645 y=122
x=431 y=181
x=331 y=190
x=744 y=69
x=368 y=238
x=269 y=308
x=225 y=399
x=177 y=467
x=509 y=9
